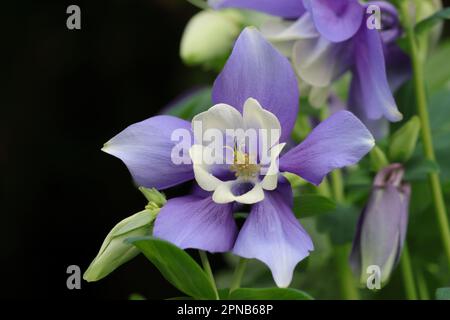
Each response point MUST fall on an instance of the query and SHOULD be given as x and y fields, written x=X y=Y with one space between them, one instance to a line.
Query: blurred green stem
x=337 y=186
x=422 y=110
x=422 y=286
x=207 y=268
x=238 y=273
x=348 y=288
x=407 y=272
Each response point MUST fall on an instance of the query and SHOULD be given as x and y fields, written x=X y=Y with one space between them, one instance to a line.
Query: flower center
x=243 y=166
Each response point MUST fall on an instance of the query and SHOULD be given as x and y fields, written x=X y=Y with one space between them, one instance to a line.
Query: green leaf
x=295 y=180
x=418 y=170
x=308 y=205
x=224 y=293
x=440 y=129
x=433 y=20
x=269 y=294
x=191 y=105
x=176 y=266
x=436 y=69
x=136 y=296
x=358 y=178
x=339 y=224
x=443 y=294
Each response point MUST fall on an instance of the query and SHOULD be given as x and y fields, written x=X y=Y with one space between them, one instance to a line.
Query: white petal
x=270 y=180
x=319 y=96
x=224 y=194
x=203 y=176
x=255 y=117
x=315 y=60
x=219 y=117
x=282 y=30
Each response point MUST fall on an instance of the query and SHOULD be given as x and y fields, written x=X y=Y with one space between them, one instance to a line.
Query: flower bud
x=422 y=9
x=382 y=226
x=404 y=140
x=209 y=37
x=378 y=159
x=155 y=198
x=115 y=251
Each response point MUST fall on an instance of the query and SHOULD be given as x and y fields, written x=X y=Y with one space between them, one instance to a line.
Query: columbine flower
x=257 y=90
x=332 y=37
x=382 y=225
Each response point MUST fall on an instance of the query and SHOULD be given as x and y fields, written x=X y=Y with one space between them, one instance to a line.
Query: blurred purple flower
x=381 y=229
x=256 y=89
x=330 y=38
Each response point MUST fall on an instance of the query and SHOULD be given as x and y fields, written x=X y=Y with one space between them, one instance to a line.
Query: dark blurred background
x=63 y=94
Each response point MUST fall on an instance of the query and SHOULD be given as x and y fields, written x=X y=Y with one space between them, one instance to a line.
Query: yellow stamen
x=243 y=166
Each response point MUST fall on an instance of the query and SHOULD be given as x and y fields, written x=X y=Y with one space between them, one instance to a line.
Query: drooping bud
x=382 y=226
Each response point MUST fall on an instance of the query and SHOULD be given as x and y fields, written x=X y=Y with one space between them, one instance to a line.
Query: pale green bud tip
x=106 y=147
x=209 y=36
x=155 y=198
x=404 y=140
x=425 y=8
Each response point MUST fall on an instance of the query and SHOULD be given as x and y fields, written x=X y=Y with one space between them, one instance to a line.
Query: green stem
x=422 y=110
x=407 y=272
x=324 y=188
x=337 y=186
x=422 y=286
x=238 y=274
x=348 y=288
x=207 y=268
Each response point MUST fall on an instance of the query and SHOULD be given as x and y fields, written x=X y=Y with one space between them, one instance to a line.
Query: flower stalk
x=238 y=274
x=348 y=288
x=422 y=110
x=407 y=273
x=209 y=273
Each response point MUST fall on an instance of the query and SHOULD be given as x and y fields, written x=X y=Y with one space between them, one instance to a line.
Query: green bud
x=209 y=37
x=423 y=9
x=155 y=198
x=115 y=251
x=378 y=159
x=404 y=140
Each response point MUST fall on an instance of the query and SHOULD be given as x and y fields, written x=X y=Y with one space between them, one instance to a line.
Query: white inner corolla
x=235 y=155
